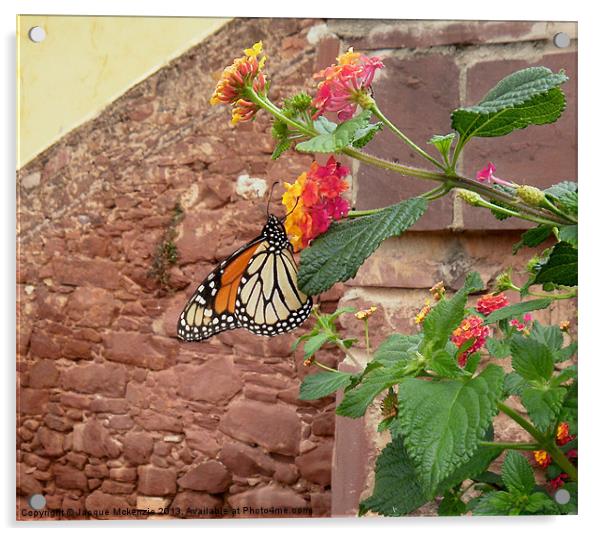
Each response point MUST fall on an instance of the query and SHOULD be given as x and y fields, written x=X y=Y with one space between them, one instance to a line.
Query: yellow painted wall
x=87 y=62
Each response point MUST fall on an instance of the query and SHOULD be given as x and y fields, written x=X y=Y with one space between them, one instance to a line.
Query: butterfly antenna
x=291 y=211
x=267 y=210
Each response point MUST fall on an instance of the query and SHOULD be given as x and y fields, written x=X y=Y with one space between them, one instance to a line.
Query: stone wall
x=112 y=410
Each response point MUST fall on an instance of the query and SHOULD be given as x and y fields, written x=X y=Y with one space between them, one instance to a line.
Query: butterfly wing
x=255 y=288
x=269 y=301
x=212 y=308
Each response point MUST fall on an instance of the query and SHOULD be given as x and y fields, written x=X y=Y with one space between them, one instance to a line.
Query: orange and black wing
x=212 y=308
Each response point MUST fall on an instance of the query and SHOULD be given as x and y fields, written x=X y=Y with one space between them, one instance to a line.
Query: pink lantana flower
x=345 y=84
x=522 y=325
x=486 y=175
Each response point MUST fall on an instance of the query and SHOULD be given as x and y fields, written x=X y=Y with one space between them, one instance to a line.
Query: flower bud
x=532 y=196
x=471 y=198
x=504 y=281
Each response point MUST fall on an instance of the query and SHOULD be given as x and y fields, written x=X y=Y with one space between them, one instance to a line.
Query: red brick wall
x=112 y=409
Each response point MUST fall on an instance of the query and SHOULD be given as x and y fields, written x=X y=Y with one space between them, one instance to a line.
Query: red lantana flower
x=542 y=458
x=562 y=434
x=314 y=201
x=346 y=84
x=491 y=302
x=471 y=328
x=487 y=175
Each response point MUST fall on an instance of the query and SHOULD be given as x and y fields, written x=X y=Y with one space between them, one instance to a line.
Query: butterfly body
x=255 y=288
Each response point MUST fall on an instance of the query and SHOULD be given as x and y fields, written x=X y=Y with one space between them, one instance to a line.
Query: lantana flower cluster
x=314 y=201
x=491 y=302
x=346 y=84
x=244 y=72
x=471 y=327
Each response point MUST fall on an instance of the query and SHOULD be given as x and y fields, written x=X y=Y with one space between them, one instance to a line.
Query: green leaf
x=397 y=488
x=443 y=143
x=527 y=97
x=442 y=422
x=543 y=404
x=444 y=318
x=565 y=353
x=364 y=135
x=474 y=467
x=397 y=347
x=514 y=384
x=281 y=147
x=497 y=348
x=313 y=344
x=356 y=400
x=324 y=126
x=564 y=376
x=342 y=136
x=569 y=234
x=551 y=336
x=445 y=365
x=565 y=196
x=517 y=473
x=318 y=385
x=531 y=359
x=540 y=503
x=533 y=237
x=561 y=267
x=451 y=505
x=518 y=309
x=473 y=283
x=495 y=503
x=338 y=254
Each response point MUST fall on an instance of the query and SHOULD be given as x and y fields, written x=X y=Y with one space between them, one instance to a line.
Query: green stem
x=366 y=336
x=452 y=180
x=346 y=351
x=325 y=367
x=528 y=217
x=565 y=296
x=377 y=112
x=547 y=444
x=554 y=209
x=510 y=445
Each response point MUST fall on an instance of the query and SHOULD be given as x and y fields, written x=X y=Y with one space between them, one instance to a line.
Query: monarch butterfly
x=254 y=288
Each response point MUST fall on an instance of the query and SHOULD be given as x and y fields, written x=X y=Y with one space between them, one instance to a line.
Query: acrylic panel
x=295 y=268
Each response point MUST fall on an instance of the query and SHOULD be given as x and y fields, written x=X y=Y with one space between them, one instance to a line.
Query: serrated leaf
x=281 y=147
x=561 y=266
x=495 y=503
x=397 y=347
x=551 y=336
x=531 y=359
x=565 y=196
x=497 y=348
x=527 y=97
x=356 y=400
x=324 y=126
x=569 y=234
x=397 y=489
x=338 y=254
x=539 y=503
x=442 y=320
x=517 y=474
x=313 y=344
x=443 y=143
x=445 y=365
x=564 y=376
x=565 y=353
x=473 y=283
x=341 y=137
x=533 y=237
x=514 y=384
x=364 y=135
x=322 y=384
x=543 y=405
x=477 y=464
x=518 y=309
x=443 y=422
